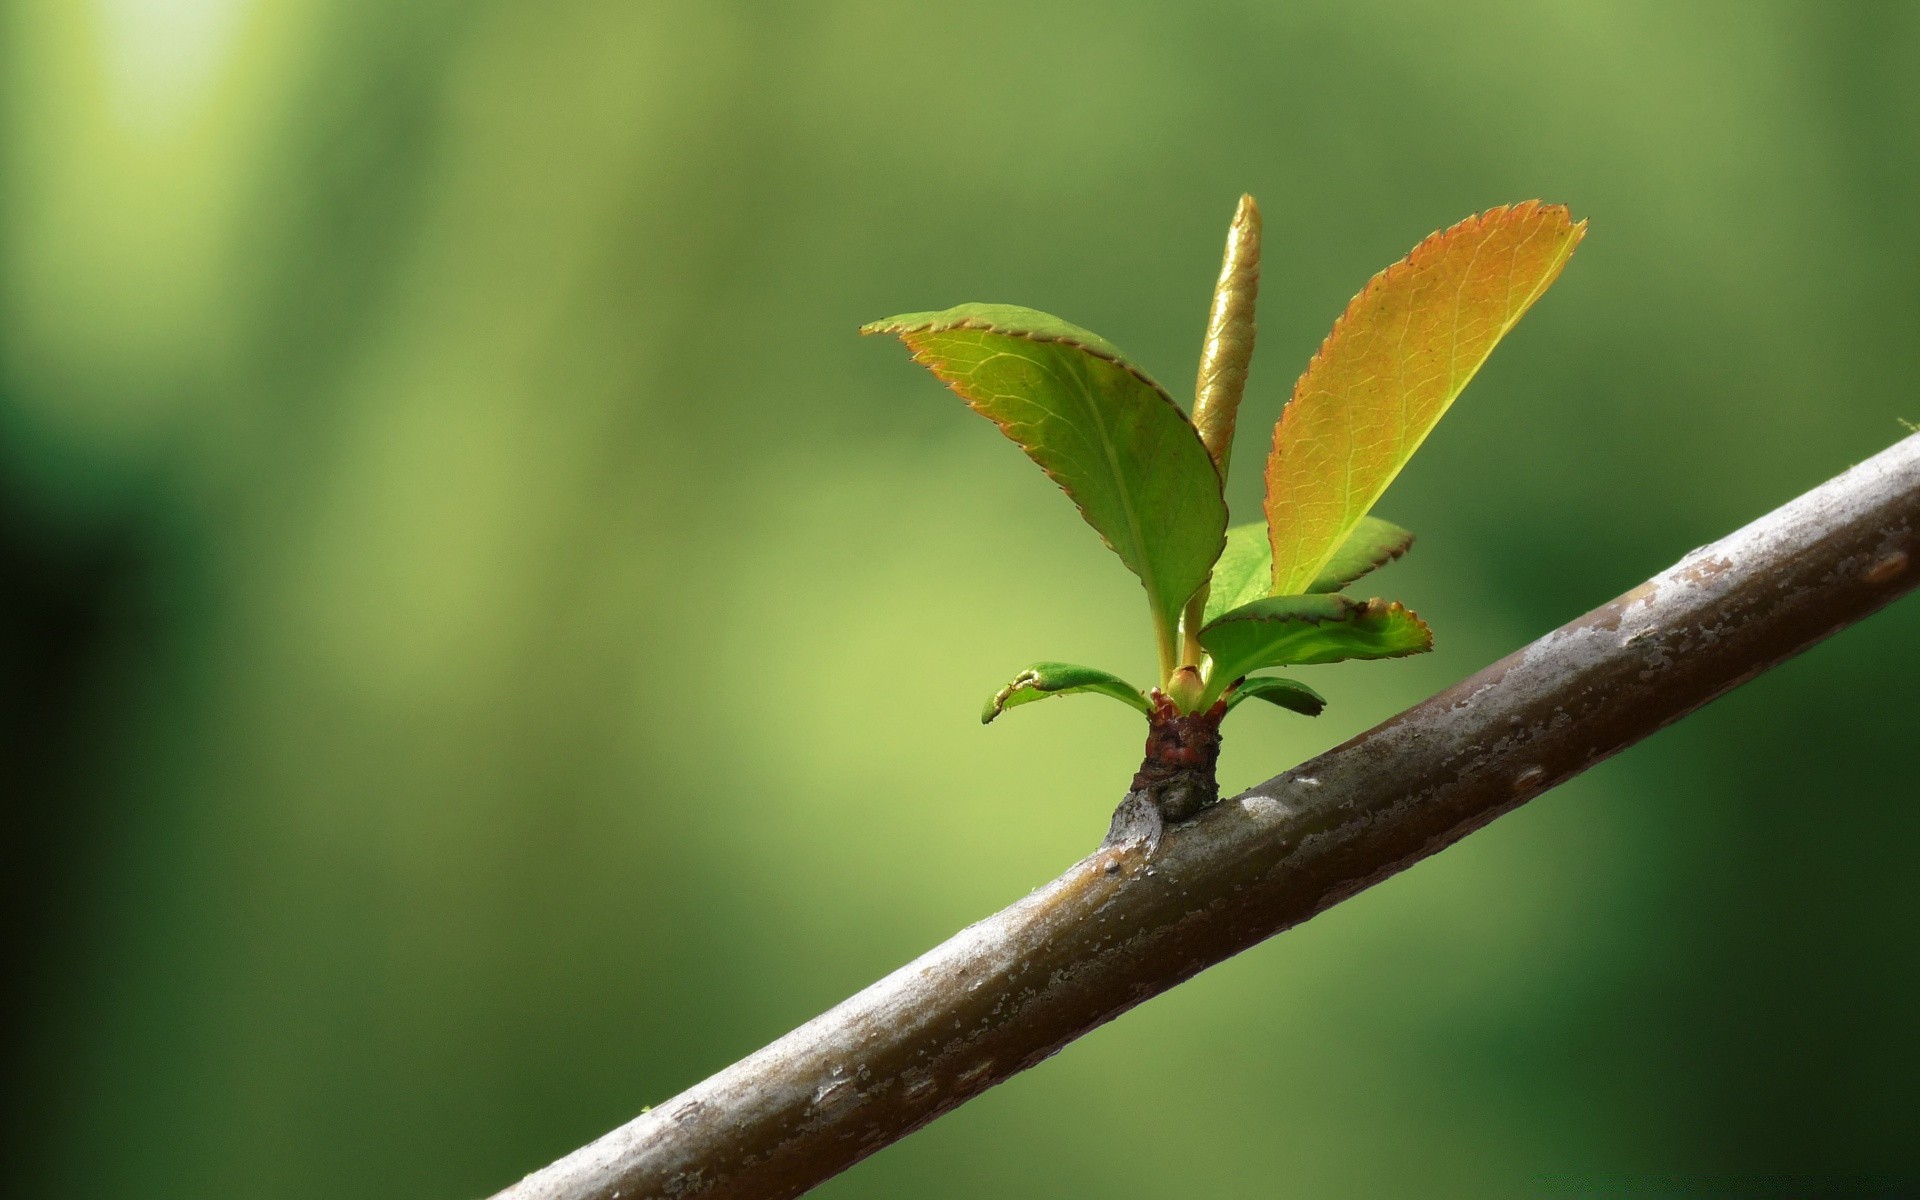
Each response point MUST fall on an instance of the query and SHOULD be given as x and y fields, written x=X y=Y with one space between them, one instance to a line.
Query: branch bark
x=1129 y=922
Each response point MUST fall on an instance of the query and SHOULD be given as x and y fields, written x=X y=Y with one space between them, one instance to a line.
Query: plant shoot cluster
x=1229 y=601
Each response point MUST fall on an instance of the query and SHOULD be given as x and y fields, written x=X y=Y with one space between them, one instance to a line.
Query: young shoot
x=1228 y=602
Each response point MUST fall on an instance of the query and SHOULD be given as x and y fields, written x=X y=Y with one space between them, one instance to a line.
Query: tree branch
x=1125 y=924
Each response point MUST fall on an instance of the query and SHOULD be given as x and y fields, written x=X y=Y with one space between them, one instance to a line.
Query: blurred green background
x=485 y=645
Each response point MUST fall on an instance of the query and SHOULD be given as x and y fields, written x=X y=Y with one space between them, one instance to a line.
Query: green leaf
x=1285 y=631
x=1245 y=570
x=1045 y=679
x=1373 y=543
x=1395 y=361
x=1098 y=425
x=1287 y=693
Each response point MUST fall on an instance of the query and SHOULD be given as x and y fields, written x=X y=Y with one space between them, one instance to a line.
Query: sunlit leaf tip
x=1394 y=362
x=1289 y=694
x=1045 y=679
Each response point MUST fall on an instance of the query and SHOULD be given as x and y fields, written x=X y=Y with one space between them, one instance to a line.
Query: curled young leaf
x=1287 y=693
x=1282 y=631
x=1394 y=362
x=1110 y=436
x=1045 y=679
x=1228 y=351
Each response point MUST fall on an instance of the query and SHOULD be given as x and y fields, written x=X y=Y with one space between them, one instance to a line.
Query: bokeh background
x=485 y=645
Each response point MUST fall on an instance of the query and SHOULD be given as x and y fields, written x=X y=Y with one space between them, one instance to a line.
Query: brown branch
x=1126 y=924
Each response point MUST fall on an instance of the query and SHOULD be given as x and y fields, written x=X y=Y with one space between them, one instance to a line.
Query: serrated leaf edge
x=1353 y=609
x=1427 y=247
x=1109 y=353
x=1391 y=555
x=903 y=330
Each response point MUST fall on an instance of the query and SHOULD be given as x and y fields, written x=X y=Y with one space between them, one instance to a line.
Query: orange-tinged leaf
x=1394 y=362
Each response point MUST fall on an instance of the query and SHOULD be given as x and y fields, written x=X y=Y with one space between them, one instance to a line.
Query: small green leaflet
x=1045 y=679
x=1285 y=631
x=1287 y=693
x=1098 y=425
x=1245 y=570
x=1373 y=543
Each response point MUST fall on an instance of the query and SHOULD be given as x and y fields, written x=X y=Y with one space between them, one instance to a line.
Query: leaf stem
x=1167 y=641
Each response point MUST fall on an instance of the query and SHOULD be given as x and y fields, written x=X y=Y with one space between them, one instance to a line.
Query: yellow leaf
x=1405 y=347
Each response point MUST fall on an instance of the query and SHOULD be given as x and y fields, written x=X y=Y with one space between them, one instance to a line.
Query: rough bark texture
x=1140 y=915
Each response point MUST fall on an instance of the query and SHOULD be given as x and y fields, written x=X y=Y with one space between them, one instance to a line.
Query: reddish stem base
x=1176 y=779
